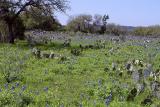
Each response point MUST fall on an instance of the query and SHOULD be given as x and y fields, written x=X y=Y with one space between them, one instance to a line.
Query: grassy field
x=94 y=76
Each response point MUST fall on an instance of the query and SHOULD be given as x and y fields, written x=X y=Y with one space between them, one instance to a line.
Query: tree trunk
x=11 y=33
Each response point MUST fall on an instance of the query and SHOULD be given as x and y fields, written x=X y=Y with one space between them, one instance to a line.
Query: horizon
x=125 y=13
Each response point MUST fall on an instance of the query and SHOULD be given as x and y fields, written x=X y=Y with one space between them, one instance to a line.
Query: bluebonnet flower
x=46 y=89
x=136 y=76
x=99 y=82
x=6 y=86
x=24 y=88
x=17 y=84
x=12 y=88
x=108 y=99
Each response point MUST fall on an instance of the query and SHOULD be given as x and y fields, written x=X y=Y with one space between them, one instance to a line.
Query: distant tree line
x=94 y=24
x=87 y=23
x=147 y=31
x=16 y=16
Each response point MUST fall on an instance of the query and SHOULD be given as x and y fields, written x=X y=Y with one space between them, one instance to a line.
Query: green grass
x=73 y=82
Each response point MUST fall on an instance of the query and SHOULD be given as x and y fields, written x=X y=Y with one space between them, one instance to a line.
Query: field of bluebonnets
x=80 y=70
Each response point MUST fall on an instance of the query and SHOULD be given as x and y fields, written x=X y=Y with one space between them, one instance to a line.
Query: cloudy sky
x=124 y=12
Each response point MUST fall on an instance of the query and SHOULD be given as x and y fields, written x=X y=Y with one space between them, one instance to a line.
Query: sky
x=123 y=12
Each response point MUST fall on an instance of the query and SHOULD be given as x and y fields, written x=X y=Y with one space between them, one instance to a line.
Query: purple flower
x=12 y=88
x=46 y=89
x=6 y=86
x=17 y=84
x=108 y=99
x=99 y=82
x=24 y=88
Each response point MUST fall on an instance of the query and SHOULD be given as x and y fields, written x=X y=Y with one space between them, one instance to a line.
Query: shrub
x=39 y=20
x=147 y=31
x=116 y=30
x=76 y=52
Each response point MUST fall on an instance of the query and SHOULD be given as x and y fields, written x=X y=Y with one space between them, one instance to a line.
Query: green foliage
x=84 y=80
x=87 y=23
x=12 y=66
x=147 y=31
x=10 y=12
x=36 y=19
x=79 y=23
x=18 y=30
x=76 y=52
x=116 y=30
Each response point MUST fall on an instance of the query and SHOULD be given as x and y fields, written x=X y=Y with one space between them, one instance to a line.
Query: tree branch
x=23 y=7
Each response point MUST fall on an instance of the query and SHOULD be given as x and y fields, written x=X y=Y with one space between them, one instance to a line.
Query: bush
x=116 y=30
x=39 y=20
x=147 y=31
x=87 y=24
x=76 y=52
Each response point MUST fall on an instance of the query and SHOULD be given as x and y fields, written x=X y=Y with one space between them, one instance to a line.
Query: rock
x=45 y=55
x=146 y=73
x=140 y=71
x=140 y=88
x=36 y=52
x=136 y=62
x=51 y=55
x=149 y=66
x=156 y=94
x=155 y=86
x=135 y=76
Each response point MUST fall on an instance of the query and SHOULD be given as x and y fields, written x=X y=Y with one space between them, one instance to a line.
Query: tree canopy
x=88 y=23
x=11 y=9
